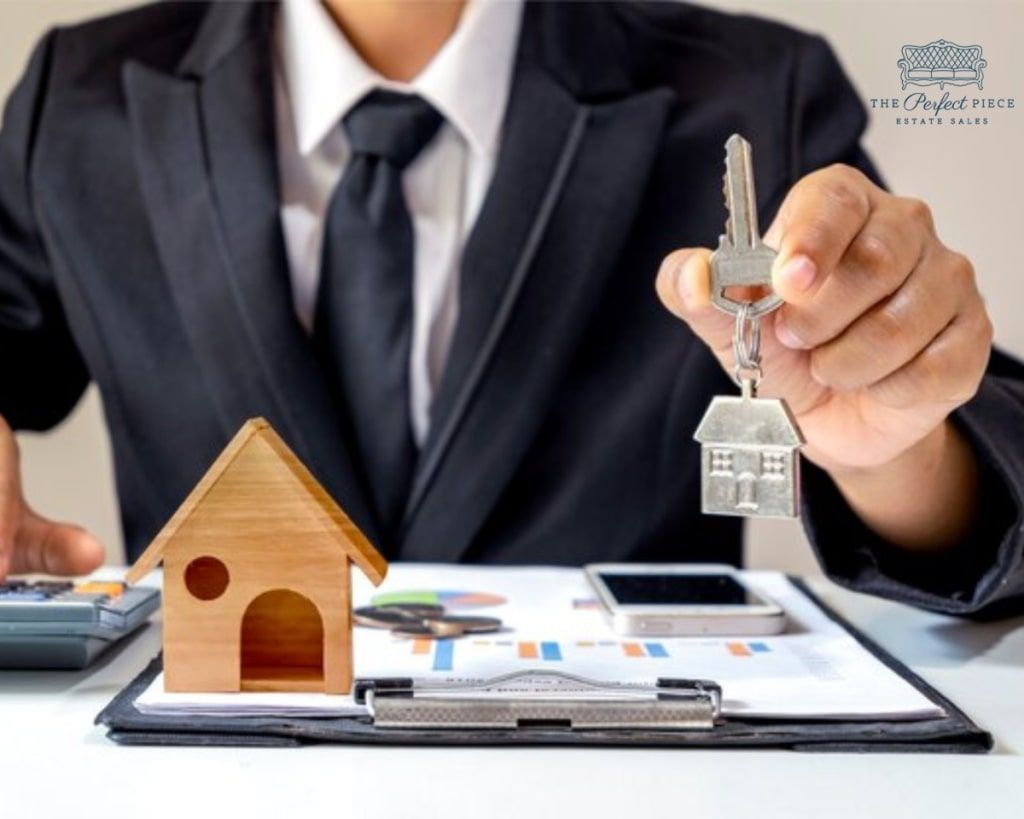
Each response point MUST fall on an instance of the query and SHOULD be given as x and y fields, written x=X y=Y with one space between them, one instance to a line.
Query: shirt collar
x=468 y=80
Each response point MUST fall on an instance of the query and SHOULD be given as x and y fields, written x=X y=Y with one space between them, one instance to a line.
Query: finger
x=948 y=371
x=874 y=266
x=818 y=219
x=10 y=495
x=892 y=333
x=684 y=280
x=684 y=287
x=54 y=548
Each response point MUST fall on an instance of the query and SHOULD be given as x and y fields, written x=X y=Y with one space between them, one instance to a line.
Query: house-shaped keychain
x=257 y=587
x=750 y=457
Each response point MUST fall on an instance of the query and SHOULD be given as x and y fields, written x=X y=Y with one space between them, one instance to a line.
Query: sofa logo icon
x=942 y=63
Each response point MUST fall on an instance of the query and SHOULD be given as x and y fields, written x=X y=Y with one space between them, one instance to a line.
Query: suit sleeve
x=984 y=575
x=42 y=374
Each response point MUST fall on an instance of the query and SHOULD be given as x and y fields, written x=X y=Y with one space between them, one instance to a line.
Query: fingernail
x=799 y=272
x=786 y=336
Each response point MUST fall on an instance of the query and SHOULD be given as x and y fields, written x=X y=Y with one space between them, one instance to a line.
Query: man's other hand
x=30 y=543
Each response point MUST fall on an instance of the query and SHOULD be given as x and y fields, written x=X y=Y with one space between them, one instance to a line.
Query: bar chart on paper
x=785 y=675
x=551 y=623
x=534 y=653
x=468 y=656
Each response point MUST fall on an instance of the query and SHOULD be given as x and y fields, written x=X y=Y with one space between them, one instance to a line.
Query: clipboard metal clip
x=541 y=700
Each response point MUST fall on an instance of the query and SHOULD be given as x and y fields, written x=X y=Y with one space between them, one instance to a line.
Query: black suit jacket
x=140 y=247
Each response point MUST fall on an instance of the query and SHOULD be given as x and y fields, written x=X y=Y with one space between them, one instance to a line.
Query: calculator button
x=22 y=596
x=111 y=588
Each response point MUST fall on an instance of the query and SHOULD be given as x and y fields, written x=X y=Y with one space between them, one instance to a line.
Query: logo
x=943 y=63
x=958 y=71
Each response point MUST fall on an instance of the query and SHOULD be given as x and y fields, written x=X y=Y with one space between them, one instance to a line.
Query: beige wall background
x=971 y=175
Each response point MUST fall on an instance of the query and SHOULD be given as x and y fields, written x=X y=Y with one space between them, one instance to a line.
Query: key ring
x=746 y=348
x=746 y=338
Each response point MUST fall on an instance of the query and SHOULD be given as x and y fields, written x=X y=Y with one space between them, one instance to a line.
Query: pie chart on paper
x=447 y=598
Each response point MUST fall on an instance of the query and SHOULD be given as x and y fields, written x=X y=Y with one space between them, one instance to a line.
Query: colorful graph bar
x=747 y=649
x=655 y=650
x=738 y=649
x=421 y=645
x=550 y=651
x=444 y=655
x=633 y=649
x=528 y=651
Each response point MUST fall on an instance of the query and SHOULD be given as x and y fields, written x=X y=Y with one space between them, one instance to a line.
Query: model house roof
x=747 y=422
x=257 y=432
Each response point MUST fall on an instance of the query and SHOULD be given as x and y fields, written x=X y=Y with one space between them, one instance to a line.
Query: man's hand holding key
x=882 y=334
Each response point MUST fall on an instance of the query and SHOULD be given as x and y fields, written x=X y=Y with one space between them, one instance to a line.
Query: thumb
x=54 y=548
x=684 y=287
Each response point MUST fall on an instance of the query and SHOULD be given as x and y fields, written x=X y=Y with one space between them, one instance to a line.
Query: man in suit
x=421 y=239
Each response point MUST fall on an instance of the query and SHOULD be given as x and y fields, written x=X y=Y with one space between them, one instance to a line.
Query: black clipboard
x=952 y=733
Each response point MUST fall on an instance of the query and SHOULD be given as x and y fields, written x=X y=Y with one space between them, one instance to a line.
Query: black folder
x=952 y=733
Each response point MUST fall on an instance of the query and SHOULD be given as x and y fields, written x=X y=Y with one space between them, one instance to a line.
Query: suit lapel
x=569 y=178
x=204 y=144
x=498 y=254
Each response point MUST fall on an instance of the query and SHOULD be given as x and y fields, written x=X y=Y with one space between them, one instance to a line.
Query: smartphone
x=687 y=599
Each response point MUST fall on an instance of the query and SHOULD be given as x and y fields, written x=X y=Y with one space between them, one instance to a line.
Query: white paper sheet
x=814 y=670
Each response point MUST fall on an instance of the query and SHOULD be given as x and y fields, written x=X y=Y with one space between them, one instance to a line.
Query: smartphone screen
x=678 y=590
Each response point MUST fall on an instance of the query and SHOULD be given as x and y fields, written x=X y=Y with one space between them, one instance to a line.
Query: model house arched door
x=282 y=645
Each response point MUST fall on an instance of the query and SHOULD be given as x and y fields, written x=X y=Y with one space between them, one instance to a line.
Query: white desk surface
x=54 y=761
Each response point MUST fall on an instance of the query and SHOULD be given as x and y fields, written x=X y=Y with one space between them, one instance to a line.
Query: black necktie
x=363 y=323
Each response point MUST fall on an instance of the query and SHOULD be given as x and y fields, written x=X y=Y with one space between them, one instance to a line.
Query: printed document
x=815 y=669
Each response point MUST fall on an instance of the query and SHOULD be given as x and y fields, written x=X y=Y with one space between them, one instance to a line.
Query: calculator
x=57 y=624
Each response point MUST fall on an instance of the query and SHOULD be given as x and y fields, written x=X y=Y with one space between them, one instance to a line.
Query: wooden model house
x=750 y=457
x=257 y=590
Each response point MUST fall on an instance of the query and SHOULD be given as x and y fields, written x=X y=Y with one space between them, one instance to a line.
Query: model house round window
x=206 y=578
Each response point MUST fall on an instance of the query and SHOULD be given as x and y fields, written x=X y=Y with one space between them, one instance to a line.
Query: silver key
x=741 y=258
x=750 y=446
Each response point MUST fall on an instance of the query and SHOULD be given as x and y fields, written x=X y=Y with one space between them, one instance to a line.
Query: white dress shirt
x=319 y=79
